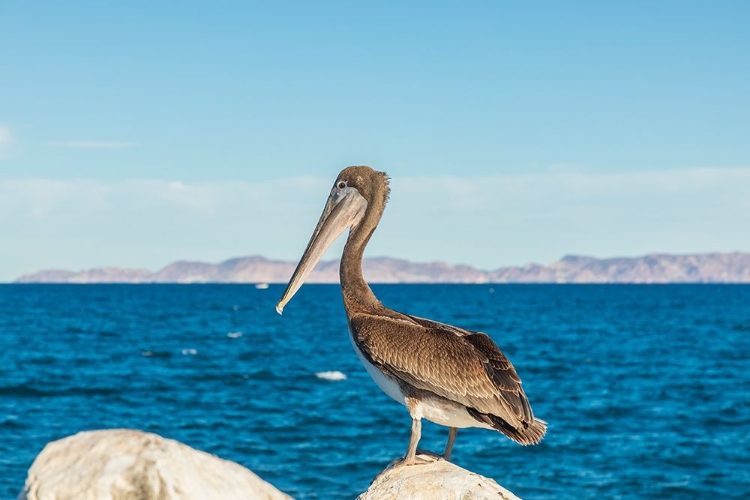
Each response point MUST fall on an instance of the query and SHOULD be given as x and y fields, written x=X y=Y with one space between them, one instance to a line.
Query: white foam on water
x=234 y=335
x=191 y=352
x=334 y=376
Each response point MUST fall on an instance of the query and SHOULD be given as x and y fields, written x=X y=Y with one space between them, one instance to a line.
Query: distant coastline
x=653 y=268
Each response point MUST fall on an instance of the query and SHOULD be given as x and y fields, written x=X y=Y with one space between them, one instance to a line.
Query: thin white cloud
x=6 y=140
x=91 y=144
x=515 y=219
x=485 y=221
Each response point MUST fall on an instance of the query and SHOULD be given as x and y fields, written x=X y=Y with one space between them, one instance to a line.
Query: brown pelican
x=448 y=375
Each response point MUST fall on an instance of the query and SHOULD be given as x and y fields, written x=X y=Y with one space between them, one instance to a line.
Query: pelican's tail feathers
x=526 y=433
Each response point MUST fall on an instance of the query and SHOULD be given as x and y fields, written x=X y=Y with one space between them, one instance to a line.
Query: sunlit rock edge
x=123 y=464
x=434 y=479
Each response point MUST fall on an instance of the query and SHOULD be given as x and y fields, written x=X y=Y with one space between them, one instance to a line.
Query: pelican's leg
x=413 y=404
x=452 y=433
x=416 y=433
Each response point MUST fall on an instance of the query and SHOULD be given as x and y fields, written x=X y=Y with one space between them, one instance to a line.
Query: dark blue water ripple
x=646 y=388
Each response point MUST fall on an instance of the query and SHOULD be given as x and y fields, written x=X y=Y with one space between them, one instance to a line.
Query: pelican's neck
x=356 y=291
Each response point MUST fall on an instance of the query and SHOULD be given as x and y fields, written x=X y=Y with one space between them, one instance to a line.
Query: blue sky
x=135 y=134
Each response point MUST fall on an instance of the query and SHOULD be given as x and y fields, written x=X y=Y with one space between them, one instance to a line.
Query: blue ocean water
x=646 y=388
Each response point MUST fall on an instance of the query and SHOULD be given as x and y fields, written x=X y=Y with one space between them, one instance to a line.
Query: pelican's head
x=355 y=189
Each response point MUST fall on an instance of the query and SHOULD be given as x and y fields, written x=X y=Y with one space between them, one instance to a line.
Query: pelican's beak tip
x=279 y=309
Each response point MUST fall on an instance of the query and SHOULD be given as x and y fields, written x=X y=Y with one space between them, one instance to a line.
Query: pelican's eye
x=341 y=184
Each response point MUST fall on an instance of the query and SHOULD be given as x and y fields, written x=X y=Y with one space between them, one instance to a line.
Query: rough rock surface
x=122 y=464
x=436 y=480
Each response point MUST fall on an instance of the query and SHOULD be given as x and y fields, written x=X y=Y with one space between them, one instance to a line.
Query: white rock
x=122 y=464
x=438 y=480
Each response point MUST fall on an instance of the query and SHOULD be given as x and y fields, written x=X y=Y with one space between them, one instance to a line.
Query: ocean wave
x=29 y=391
x=334 y=376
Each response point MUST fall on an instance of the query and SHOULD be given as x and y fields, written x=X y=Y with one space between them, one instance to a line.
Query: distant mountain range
x=653 y=268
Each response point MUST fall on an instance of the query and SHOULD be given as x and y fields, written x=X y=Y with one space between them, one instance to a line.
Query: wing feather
x=459 y=365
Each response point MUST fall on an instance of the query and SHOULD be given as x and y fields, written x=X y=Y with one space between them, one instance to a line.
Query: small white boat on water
x=261 y=286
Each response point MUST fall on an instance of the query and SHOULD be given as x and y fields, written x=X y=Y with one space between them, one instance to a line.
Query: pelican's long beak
x=345 y=207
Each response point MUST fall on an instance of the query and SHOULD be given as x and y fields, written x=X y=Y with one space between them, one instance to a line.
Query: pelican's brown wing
x=497 y=365
x=462 y=366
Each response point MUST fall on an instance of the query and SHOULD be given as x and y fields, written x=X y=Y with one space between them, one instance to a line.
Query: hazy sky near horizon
x=135 y=134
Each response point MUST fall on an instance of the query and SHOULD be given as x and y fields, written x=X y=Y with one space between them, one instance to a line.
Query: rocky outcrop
x=122 y=464
x=653 y=268
x=435 y=480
